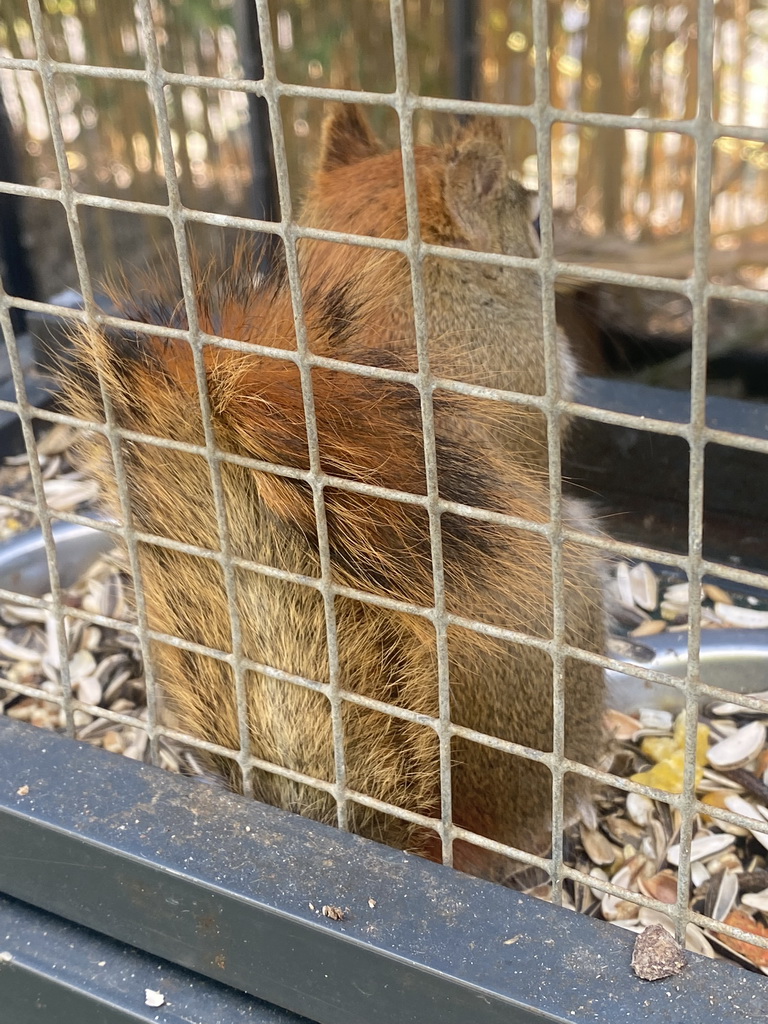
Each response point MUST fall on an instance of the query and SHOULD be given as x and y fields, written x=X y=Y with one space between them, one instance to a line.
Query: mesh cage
x=697 y=433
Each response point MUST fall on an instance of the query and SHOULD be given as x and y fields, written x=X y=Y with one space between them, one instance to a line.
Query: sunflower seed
x=83 y=664
x=14 y=613
x=717 y=594
x=699 y=874
x=649 y=628
x=737 y=750
x=622 y=726
x=644 y=586
x=624 y=586
x=656 y=719
x=18 y=652
x=88 y=689
x=701 y=849
x=639 y=808
x=66 y=493
x=721 y=895
x=661 y=886
x=599 y=850
x=739 y=805
x=741 y=618
x=727 y=709
x=756 y=900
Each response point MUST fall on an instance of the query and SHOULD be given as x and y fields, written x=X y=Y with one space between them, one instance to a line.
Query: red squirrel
x=485 y=327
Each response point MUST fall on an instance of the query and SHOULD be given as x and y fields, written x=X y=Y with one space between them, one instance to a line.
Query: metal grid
x=698 y=289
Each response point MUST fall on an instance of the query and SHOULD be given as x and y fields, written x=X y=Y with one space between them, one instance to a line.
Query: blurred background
x=624 y=199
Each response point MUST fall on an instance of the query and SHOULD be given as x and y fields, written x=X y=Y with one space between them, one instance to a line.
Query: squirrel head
x=468 y=195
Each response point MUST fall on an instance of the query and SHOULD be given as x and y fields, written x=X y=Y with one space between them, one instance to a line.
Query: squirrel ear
x=347 y=138
x=478 y=129
x=475 y=175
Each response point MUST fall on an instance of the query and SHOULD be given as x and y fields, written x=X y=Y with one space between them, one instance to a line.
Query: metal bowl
x=24 y=565
x=733 y=659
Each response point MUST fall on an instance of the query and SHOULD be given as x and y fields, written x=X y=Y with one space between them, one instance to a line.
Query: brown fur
x=485 y=327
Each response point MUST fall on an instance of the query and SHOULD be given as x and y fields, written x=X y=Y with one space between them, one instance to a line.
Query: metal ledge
x=60 y=973
x=225 y=887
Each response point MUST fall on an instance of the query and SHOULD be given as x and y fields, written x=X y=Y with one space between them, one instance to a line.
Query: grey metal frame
x=695 y=431
x=105 y=982
x=234 y=890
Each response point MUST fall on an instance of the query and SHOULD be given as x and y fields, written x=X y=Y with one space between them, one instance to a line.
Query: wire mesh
x=696 y=432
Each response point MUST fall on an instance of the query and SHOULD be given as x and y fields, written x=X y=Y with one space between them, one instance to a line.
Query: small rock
x=657 y=954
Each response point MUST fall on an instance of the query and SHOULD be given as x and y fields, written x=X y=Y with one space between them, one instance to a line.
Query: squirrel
x=485 y=327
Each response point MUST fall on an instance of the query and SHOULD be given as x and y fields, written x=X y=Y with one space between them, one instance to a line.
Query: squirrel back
x=484 y=326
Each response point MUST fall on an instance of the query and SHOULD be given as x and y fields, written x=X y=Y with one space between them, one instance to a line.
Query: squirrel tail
x=368 y=430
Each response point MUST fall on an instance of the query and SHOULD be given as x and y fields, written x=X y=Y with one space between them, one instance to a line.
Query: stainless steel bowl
x=734 y=659
x=23 y=562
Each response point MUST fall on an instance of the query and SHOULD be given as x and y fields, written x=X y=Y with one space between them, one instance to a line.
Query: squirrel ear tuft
x=475 y=176
x=474 y=130
x=347 y=138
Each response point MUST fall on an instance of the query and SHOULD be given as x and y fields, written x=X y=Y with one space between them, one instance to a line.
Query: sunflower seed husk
x=622 y=726
x=99 y=727
x=702 y=848
x=699 y=874
x=88 y=689
x=122 y=706
x=602 y=875
x=623 y=831
x=716 y=780
x=66 y=493
x=113 y=741
x=756 y=900
x=721 y=895
x=599 y=849
x=739 y=805
x=17 y=652
x=656 y=719
x=649 y=628
x=741 y=618
x=661 y=886
x=137 y=744
x=639 y=808
x=728 y=861
x=737 y=750
x=624 y=586
x=644 y=586
x=727 y=709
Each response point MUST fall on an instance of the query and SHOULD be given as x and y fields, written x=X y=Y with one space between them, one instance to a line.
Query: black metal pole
x=15 y=268
x=463 y=16
x=264 y=202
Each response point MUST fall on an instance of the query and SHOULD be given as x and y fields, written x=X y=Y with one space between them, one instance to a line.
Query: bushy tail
x=368 y=430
